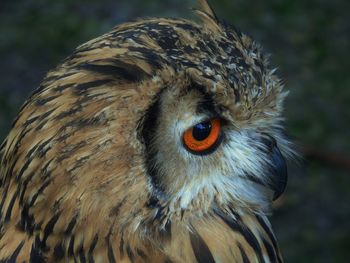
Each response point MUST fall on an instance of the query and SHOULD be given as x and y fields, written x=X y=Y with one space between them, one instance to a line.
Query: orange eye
x=204 y=137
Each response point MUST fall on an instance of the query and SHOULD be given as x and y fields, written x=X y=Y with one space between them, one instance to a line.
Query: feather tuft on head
x=208 y=16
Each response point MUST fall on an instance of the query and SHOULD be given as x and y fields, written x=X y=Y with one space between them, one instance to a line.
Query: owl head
x=157 y=118
x=213 y=132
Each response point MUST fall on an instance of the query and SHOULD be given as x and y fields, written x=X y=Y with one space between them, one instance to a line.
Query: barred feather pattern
x=76 y=179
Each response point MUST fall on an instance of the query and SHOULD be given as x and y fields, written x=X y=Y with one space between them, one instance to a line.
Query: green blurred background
x=309 y=43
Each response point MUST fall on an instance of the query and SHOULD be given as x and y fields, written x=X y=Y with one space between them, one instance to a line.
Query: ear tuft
x=206 y=8
x=208 y=17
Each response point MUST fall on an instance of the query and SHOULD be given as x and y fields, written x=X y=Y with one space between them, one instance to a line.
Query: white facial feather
x=227 y=175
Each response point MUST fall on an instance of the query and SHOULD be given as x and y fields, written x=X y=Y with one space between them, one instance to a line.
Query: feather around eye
x=204 y=137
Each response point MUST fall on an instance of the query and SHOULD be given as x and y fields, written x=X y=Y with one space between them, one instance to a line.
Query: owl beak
x=277 y=169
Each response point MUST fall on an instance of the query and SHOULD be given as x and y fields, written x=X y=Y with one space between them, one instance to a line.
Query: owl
x=160 y=141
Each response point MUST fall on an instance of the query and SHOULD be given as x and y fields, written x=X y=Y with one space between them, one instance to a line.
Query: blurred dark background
x=310 y=44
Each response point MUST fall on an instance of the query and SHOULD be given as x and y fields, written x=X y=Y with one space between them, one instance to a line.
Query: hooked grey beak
x=277 y=168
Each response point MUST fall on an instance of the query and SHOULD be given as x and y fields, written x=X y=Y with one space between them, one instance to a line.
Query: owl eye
x=204 y=137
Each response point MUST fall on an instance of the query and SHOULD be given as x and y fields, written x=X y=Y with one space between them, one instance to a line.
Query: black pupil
x=201 y=131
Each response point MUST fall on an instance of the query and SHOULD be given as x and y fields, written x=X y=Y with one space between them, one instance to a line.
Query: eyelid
x=204 y=118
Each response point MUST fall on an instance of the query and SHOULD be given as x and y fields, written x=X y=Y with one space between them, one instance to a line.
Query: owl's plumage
x=95 y=168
